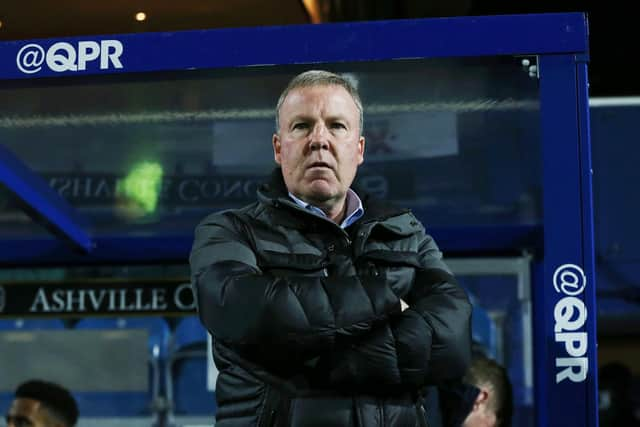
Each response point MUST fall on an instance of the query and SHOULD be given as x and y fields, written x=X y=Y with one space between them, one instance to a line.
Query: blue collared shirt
x=354 y=209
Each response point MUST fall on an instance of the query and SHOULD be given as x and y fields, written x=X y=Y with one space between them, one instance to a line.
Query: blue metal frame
x=565 y=344
x=567 y=291
x=42 y=202
x=299 y=44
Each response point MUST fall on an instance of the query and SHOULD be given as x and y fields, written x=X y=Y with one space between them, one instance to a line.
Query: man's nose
x=319 y=137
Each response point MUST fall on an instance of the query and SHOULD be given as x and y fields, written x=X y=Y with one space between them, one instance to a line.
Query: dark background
x=612 y=30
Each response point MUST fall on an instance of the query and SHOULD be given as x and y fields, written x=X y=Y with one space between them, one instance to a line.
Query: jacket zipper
x=422 y=415
x=269 y=413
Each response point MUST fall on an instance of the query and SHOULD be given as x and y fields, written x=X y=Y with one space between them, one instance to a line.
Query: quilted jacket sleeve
x=282 y=318
x=428 y=342
x=445 y=312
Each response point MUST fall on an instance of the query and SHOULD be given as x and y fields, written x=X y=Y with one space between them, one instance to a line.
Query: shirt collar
x=354 y=210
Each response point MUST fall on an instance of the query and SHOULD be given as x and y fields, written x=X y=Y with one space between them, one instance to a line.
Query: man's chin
x=322 y=189
x=321 y=195
x=319 y=198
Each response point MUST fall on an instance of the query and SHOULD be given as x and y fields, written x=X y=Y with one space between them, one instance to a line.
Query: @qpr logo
x=569 y=279
x=63 y=56
x=30 y=58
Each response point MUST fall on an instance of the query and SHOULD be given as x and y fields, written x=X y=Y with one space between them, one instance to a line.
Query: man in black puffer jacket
x=326 y=310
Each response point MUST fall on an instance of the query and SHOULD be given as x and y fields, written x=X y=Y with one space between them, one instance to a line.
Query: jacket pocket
x=395 y=258
x=285 y=263
x=398 y=268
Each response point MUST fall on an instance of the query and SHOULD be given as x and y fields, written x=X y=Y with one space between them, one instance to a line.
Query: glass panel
x=456 y=140
x=614 y=141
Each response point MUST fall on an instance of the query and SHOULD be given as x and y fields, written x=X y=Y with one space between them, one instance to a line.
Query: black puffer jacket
x=307 y=319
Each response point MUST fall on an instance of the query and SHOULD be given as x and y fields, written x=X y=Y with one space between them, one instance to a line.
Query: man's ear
x=482 y=399
x=361 y=143
x=277 y=146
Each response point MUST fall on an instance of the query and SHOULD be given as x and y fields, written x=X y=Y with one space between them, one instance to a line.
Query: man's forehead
x=24 y=405
x=336 y=91
x=334 y=97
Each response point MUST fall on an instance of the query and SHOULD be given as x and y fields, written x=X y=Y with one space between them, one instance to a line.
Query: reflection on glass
x=457 y=140
x=142 y=187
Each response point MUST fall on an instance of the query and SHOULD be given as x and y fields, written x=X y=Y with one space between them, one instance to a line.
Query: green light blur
x=143 y=184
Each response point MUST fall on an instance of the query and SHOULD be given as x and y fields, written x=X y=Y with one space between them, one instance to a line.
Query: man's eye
x=299 y=126
x=338 y=125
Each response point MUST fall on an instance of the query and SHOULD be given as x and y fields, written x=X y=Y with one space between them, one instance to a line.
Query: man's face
x=27 y=413
x=481 y=415
x=318 y=145
x=476 y=419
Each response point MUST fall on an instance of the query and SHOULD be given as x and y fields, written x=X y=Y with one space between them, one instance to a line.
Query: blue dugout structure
x=386 y=52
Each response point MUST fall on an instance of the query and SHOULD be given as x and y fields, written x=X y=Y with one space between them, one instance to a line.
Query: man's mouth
x=319 y=165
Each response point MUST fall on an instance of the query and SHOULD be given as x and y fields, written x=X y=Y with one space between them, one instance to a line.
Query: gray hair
x=320 y=78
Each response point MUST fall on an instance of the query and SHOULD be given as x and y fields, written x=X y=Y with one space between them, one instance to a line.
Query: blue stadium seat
x=484 y=333
x=187 y=376
x=128 y=403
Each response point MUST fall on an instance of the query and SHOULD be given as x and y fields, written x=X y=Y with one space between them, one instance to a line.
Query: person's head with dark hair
x=42 y=404
x=493 y=406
